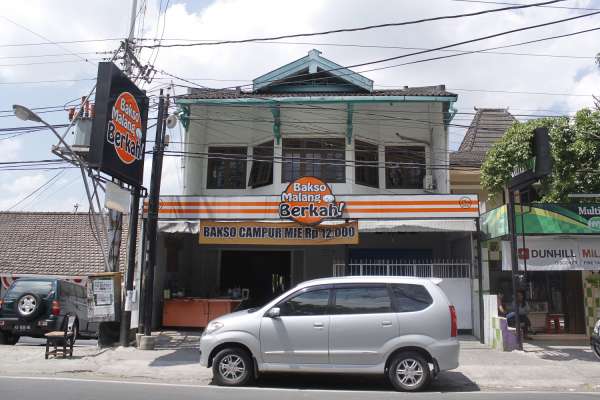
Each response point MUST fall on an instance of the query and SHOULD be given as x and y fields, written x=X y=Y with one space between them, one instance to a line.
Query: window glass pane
x=405 y=167
x=41 y=288
x=366 y=167
x=261 y=173
x=226 y=168
x=362 y=300
x=314 y=302
x=321 y=158
x=409 y=297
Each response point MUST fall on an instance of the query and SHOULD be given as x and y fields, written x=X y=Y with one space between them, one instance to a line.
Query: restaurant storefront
x=559 y=259
x=220 y=253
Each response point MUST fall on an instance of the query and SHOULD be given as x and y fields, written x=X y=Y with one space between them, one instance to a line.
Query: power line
x=442 y=48
x=35 y=191
x=515 y=4
x=47 y=81
x=368 y=46
x=364 y=28
x=45 y=38
x=60 y=42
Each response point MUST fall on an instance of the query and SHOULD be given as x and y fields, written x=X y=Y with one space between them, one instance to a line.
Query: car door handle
x=386 y=323
x=318 y=325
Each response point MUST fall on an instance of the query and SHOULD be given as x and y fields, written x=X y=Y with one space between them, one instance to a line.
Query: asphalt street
x=29 y=388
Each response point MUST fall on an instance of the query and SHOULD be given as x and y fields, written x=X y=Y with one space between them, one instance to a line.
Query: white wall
x=378 y=124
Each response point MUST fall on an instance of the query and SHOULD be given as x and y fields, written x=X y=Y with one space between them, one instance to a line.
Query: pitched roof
x=433 y=91
x=305 y=69
x=487 y=127
x=52 y=243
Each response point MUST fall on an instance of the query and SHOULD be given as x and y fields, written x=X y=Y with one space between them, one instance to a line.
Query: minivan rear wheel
x=232 y=367
x=409 y=372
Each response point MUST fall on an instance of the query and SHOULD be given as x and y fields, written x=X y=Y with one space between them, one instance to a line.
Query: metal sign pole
x=514 y=264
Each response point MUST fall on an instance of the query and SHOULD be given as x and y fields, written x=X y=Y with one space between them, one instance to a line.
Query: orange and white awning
x=370 y=207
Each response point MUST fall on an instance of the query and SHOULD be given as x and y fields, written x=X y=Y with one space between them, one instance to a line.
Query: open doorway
x=265 y=273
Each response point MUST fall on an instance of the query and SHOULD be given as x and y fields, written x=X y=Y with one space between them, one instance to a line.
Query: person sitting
x=501 y=305
x=523 y=314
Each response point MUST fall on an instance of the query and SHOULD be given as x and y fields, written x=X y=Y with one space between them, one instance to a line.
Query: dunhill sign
x=551 y=253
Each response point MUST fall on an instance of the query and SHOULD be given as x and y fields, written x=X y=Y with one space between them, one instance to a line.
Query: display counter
x=192 y=312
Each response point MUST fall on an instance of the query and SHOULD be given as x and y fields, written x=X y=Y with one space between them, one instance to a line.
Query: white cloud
x=11 y=149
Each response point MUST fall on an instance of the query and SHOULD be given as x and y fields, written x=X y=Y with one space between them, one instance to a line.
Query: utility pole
x=116 y=217
x=153 y=205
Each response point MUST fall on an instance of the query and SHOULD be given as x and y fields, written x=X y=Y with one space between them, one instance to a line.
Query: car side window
x=314 y=302
x=410 y=297
x=362 y=300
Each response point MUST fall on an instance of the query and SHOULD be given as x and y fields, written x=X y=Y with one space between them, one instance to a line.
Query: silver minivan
x=402 y=327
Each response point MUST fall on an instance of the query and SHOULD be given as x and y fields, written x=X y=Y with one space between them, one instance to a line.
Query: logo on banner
x=124 y=130
x=309 y=200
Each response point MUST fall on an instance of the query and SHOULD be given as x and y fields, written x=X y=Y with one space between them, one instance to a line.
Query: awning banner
x=276 y=234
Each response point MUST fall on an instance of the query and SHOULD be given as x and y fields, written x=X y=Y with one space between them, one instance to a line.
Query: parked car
x=34 y=306
x=404 y=328
x=595 y=339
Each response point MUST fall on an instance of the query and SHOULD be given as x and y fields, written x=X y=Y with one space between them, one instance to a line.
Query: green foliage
x=575 y=146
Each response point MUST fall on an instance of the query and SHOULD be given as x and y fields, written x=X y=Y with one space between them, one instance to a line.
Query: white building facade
x=382 y=155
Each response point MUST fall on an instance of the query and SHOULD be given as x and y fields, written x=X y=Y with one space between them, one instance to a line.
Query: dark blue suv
x=34 y=306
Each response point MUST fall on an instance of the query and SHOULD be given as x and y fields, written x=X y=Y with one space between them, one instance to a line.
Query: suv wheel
x=232 y=367
x=409 y=372
x=28 y=305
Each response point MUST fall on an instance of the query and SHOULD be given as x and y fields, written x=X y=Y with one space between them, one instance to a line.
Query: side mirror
x=273 y=312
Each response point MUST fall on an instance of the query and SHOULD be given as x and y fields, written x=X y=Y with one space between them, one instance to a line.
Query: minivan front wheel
x=409 y=372
x=232 y=367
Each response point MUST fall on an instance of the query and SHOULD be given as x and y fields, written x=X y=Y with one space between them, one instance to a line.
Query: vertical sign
x=119 y=127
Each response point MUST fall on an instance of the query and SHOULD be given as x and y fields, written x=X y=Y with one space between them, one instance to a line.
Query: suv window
x=20 y=287
x=66 y=289
x=314 y=302
x=362 y=300
x=409 y=297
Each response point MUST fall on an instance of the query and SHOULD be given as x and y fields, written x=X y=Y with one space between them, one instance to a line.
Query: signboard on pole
x=277 y=233
x=119 y=128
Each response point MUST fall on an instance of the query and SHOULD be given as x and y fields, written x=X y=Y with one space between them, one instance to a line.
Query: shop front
x=218 y=253
x=559 y=258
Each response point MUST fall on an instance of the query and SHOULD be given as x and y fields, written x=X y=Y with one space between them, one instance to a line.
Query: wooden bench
x=62 y=341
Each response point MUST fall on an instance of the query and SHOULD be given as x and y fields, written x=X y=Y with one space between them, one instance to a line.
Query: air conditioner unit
x=428 y=183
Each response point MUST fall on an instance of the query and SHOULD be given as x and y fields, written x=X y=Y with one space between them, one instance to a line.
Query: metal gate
x=455 y=275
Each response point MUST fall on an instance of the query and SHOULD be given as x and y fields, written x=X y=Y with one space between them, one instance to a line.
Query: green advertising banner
x=544 y=219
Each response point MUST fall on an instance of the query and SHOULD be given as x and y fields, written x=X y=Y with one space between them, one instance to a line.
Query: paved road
x=64 y=388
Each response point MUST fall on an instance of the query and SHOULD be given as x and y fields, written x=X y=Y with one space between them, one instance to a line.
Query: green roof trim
x=322 y=99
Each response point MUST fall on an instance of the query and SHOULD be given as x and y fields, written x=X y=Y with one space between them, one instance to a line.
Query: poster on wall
x=103 y=294
x=276 y=233
x=551 y=253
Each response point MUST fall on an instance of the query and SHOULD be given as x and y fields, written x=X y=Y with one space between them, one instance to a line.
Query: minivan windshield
x=41 y=288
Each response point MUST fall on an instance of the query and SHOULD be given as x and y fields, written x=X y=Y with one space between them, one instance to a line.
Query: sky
x=557 y=77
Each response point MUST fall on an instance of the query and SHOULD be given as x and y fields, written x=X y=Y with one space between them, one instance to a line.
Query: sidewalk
x=548 y=367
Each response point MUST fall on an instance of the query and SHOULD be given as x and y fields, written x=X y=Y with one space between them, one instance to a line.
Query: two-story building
x=309 y=174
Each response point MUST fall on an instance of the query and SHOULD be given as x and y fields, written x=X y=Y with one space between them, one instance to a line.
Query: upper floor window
x=404 y=167
x=366 y=168
x=226 y=168
x=261 y=173
x=322 y=158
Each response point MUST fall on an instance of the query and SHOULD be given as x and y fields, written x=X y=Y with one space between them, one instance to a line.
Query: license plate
x=22 y=328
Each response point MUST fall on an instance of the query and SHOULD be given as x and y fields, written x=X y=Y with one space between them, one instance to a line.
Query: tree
x=575 y=147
